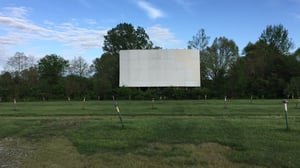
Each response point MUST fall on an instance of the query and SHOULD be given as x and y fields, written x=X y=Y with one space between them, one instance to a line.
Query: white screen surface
x=160 y=68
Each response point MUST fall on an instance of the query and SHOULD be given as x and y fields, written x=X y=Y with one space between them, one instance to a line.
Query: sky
x=73 y=28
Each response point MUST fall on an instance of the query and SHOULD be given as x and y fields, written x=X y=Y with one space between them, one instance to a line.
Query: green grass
x=254 y=131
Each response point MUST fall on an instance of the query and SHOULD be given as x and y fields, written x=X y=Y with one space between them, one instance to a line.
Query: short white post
x=83 y=104
x=285 y=101
x=15 y=104
x=225 y=102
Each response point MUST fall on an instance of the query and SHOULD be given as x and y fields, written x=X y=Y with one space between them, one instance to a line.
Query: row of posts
x=285 y=101
x=153 y=101
x=165 y=98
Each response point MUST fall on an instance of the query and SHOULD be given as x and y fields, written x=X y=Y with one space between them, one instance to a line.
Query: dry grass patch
x=59 y=152
x=55 y=152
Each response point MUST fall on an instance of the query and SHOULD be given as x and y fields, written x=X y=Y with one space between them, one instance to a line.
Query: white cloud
x=19 y=29
x=163 y=37
x=21 y=25
x=7 y=40
x=16 y=12
x=91 y=22
x=79 y=38
x=152 y=12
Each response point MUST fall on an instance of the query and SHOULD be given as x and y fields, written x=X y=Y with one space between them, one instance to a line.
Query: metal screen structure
x=160 y=68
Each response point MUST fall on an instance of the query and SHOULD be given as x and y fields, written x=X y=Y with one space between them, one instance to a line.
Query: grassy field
x=194 y=133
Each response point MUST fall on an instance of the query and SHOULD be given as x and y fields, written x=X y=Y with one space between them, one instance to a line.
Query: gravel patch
x=12 y=153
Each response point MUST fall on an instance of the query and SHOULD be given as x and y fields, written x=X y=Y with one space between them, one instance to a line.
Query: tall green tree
x=199 y=41
x=30 y=82
x=269 y=65
x=7 y=86
x=222 y=54
x=294 y=66
x=51 y=69
x=266 y=67
x=107 y=70
x=276 y=36
x=237 y=81
x=123 y=37
x=256 y=56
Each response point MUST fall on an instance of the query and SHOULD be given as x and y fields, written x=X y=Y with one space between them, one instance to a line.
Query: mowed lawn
x=181 y=133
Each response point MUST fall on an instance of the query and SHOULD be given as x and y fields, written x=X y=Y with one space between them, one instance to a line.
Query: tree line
x=267 y=69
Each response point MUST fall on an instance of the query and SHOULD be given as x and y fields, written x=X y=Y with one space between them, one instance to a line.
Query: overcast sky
x=72 y=28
